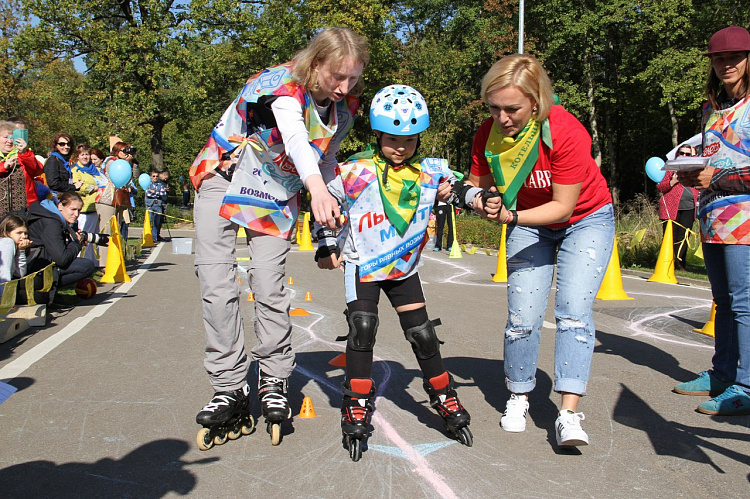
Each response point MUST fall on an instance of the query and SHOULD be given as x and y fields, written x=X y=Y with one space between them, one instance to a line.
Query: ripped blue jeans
x=582 y=251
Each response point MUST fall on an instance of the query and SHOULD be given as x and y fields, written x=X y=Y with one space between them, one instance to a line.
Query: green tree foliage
x=159 y=73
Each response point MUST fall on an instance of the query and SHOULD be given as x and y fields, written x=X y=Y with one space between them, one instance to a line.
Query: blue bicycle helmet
x=399 y=110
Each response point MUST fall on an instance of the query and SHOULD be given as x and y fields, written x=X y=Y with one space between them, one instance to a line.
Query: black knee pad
x=424 y=340
x=363 y=326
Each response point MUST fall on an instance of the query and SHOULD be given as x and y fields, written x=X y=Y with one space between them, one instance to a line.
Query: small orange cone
x=501 y=273
x=308 y=296
x=308 y=411
x=664 y=271
x=299 y=312
x=338 y=361
x=250 y=297
x=708 y=328
x=290 y=282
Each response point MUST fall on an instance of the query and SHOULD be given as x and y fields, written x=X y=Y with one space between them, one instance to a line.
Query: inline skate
x=356 y=411
x=226 y=416
x=445 y=401
x=272 y=393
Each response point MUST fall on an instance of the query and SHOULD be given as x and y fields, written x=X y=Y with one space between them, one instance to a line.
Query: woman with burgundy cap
x=724 y=214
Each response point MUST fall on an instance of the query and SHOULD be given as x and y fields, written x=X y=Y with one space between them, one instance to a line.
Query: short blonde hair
x=331 y=44
x=525 y=72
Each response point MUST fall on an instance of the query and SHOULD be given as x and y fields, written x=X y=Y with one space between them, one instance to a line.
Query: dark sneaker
x=733 y=402
x=705 y=384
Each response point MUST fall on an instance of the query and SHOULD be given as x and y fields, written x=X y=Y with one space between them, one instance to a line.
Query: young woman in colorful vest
x=388 y=193
x=724 y=214
x=289 y=120
x=558 y=210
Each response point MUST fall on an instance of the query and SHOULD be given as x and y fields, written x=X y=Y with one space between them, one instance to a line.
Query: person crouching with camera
x=55 y=238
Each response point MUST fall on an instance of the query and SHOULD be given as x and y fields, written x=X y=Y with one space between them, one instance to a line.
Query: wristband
x=515 y=217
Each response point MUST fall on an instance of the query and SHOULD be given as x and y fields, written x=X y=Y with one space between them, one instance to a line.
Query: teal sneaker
x=733 y=402
x=705 y=384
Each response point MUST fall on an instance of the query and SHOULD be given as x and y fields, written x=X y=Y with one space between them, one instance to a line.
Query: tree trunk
x=596 y=149
x=157 y=151
x=673 y=119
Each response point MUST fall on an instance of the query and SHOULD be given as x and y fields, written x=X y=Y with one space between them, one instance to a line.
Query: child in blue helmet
x=388 y=193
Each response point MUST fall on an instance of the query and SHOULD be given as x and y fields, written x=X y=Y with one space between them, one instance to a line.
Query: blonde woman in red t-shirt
x=558 y=210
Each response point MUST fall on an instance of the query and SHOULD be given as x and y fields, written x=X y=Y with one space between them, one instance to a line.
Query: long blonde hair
x=331 y=44
x=525 y=72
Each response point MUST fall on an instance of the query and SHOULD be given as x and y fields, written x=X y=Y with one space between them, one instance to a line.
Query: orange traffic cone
x=501 y=274
x=298 y=312
x=308 y=411
x=708 y=328
x=308 y=296
x=664 y=271
x=290 y=282
x=611 y=288
x=115 y=269
x=306 y=242
x=338 y=361
x=147 y=240
x=250 y=297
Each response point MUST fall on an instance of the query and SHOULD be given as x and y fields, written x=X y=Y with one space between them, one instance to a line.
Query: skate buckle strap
x=218 y=401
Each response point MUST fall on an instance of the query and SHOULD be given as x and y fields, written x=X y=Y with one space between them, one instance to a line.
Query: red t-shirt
x=569 y=162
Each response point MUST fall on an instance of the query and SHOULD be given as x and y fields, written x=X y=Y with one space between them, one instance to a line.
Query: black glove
x=327 y=244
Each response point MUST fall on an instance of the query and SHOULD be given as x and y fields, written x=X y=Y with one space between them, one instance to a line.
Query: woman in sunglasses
x=677 y=203
x=57 y=169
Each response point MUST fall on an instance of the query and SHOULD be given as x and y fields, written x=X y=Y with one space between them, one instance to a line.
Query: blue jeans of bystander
x=728 y=269
x=582 y=251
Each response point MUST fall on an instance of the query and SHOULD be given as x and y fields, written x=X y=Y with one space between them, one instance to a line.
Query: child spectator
x=14 y=240
x=88 y=175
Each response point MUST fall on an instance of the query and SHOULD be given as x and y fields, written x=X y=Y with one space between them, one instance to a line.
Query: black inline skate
x=445 y=401
x=226 y=416
x=356 y=411
x=272 y=393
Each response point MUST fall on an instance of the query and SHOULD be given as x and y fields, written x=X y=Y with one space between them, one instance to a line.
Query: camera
x=130 y=150
x=94 y=238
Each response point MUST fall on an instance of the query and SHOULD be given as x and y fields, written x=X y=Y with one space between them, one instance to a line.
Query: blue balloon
x=120 y=172
x=144 y=181
x=653 y=169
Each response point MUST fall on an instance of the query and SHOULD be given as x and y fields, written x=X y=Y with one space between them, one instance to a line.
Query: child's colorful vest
x=725 y=217
x=383 y=254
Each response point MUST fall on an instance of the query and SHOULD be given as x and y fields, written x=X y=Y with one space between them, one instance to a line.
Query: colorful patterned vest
x=725 y=217
x=241 y=120
x=383 y=254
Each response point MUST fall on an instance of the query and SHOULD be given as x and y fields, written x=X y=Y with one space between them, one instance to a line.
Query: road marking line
x=25 y=361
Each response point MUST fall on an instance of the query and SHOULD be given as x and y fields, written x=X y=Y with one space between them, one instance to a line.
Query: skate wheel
x=275 y=430
x=465 y=437
x=248 y=427
x=234 y=433
x=355 y=449
x=221 y=438
x=204 y=439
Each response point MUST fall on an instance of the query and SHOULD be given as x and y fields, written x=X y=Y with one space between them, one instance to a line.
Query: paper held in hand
x=685 y=164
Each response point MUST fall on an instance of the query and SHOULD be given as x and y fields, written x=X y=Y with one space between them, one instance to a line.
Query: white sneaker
x=568 y=429
x=514 y=417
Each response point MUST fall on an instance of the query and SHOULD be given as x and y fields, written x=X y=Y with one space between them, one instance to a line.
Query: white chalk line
x=28 y=359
